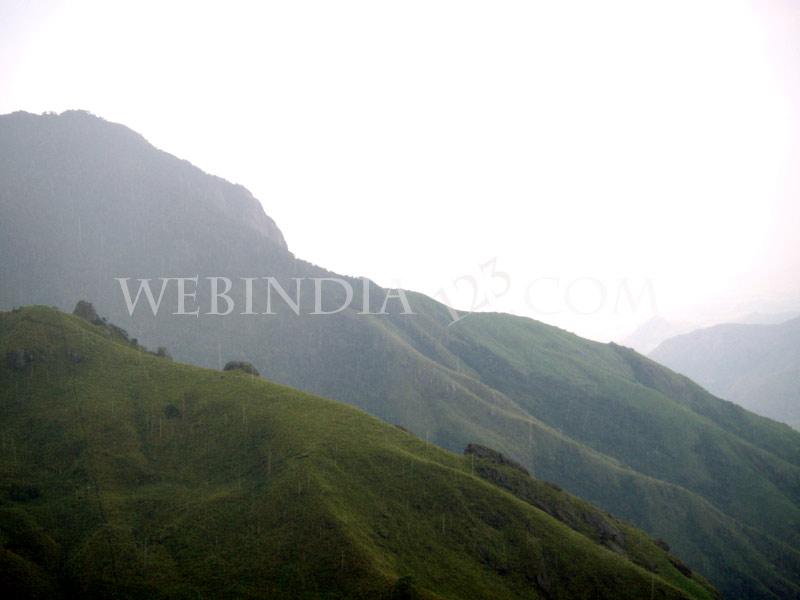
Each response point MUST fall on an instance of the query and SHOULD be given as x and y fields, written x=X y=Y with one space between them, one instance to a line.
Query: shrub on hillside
x=85 y=310
x=404 y=589
x=241 y=365
x=172 y=412
x=17 y=360
x=23 y=493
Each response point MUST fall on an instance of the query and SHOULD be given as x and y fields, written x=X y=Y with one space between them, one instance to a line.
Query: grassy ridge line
x=777 y=438
x=708 y=539
x=264 y=486
x=654 y=433
x=581 y=516
x=712 y=538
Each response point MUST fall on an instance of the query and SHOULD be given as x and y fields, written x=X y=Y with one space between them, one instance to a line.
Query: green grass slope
x=624 y=433
x=604 y=397
x=126 y=475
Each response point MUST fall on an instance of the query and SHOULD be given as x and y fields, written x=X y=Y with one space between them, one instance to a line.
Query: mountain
x=84 y=202
x=755 y=366
x=651 y=333
x=127 y=475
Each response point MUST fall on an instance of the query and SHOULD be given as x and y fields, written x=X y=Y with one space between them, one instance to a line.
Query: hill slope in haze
x=126 y=475
x=84 y=201
x=650 y=334
x=755 y=365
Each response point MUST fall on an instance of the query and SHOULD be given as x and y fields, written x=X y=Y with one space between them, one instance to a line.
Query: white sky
x=411 y=142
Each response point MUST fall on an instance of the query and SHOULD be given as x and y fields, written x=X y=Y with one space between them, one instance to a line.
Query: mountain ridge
x=223 y=484
x=610 y=426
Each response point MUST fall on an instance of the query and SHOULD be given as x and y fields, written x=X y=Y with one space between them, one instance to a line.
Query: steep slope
x=127 y=475
x=756 y=366
x=80 y=207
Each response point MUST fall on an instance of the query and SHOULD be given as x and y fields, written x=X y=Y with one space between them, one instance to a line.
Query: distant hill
x=83 y=201
x=650 y=334
x=756 y=366
x=126 y=475
x=762 y=318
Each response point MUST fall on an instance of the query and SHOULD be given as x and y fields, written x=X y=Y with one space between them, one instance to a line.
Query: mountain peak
x=78 y=146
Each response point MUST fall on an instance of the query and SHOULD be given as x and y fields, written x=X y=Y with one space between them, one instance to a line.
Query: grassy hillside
x=704 y=459
x=605 y=397
x=83 y=201
x=128 y=475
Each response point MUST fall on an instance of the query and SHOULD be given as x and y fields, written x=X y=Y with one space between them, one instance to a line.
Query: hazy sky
x=580 y=144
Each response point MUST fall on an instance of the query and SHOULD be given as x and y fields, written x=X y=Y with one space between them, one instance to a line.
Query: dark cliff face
x=90 y=162
x=84 y=200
